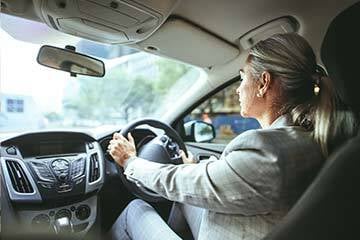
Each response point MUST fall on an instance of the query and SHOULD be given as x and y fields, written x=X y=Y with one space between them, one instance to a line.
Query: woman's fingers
x=183 y=157
x=189 y=159
x=131 y=139
x=121 y=149
x=116 y=135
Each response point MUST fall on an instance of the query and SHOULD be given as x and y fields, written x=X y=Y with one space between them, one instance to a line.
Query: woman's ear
x=265 y=82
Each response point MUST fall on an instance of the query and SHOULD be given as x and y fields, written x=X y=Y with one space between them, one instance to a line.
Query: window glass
x=222 y=110
x=136 y=84
x=15 y=105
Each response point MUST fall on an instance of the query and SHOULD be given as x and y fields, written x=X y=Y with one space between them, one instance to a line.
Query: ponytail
x=332 y=125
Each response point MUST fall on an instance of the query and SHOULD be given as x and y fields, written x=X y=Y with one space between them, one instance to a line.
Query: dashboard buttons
x=77 y=168
x=82 y=212
x=46 y=185
x=61 y=168
x=64 y=187
x=43 y=172
x=60 y=165
x=164 y=139
x=62 y=177
x=63 y=213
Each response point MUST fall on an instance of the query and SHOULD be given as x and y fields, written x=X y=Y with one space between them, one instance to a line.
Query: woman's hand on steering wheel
x=189 y=159
x=121 y=149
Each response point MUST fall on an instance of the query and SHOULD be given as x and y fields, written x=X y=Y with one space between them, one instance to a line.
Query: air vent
x=94 y=168
x=19 y=180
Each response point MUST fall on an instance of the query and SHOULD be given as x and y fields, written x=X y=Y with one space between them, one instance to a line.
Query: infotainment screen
x=43 y=148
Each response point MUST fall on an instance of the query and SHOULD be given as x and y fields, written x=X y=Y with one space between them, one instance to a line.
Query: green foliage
x=169 y=73
x=53 y=116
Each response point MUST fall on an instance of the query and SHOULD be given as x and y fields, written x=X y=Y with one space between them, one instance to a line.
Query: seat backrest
x=340 y=53
x=330 y=207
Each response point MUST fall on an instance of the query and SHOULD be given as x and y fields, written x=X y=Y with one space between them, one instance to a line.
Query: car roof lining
x=228 y=22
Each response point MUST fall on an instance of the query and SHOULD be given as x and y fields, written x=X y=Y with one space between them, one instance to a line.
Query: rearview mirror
x=70 y=61
x=199 y=131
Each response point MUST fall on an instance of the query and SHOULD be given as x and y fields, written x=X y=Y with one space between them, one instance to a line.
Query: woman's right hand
x=189 y=159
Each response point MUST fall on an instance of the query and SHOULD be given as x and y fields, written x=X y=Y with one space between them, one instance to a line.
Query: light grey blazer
x=259 y=176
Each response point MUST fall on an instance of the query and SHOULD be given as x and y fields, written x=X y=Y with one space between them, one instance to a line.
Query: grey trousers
x=140 y=221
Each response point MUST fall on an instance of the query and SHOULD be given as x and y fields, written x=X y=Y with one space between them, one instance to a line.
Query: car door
x=221 y=109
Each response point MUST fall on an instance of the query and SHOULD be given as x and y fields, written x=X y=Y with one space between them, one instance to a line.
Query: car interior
x=58 y=179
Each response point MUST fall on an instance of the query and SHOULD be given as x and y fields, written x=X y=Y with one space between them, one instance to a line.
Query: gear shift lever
x=63 y=225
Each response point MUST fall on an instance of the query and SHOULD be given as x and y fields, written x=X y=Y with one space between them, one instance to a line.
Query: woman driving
x=262 y=172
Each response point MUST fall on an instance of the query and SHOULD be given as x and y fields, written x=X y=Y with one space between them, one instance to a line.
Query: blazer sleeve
x=245 y=180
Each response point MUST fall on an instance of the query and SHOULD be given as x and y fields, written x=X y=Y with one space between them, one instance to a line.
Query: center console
x=52 y=180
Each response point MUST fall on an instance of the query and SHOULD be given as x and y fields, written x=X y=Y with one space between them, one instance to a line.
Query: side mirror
x=199 y=131
x=70 y=61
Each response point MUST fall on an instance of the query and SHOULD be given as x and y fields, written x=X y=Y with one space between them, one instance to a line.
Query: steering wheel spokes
x=172 y=148
x=163 y=149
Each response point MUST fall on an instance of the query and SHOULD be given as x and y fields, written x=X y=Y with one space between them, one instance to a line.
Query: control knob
x=83 y=212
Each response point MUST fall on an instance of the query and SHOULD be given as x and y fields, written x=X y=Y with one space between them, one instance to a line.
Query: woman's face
x=249 y=102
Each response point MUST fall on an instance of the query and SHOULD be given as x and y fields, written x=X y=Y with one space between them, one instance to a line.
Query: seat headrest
x=340 y=52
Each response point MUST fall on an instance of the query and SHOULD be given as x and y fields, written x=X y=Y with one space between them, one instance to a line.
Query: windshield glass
x=136 y=84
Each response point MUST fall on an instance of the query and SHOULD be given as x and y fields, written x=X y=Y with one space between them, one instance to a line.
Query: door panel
x=203 y=151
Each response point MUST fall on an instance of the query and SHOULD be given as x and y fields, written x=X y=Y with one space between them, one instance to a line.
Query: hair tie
x=319 y=73
x=317 y=86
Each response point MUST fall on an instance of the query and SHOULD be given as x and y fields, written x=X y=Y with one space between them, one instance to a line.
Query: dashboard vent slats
x=94 y=168
x=19 y=180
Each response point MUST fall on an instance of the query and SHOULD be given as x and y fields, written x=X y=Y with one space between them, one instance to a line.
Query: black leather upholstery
x=330 y=207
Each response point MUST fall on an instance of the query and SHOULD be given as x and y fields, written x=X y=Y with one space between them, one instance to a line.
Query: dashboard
x=51 y=179
x=61 y=181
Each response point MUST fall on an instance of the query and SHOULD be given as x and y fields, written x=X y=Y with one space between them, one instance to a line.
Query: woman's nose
x=237 y=90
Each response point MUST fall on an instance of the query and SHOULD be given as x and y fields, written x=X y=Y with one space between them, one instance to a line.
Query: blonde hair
x=307 y=94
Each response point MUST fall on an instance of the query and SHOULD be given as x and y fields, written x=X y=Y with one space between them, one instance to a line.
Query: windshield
x=136 y=84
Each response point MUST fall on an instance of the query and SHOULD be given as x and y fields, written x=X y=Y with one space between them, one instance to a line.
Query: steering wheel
x=161 y=149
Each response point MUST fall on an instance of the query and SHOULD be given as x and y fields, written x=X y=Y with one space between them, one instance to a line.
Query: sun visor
x=107 y=21
x=280 y=25
x=186 y=42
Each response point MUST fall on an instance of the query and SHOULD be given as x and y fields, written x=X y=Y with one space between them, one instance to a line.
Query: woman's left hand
x=189 y=159
x=121 y=149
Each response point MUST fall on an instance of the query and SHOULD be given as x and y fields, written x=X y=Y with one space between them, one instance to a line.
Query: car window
x=222 y=110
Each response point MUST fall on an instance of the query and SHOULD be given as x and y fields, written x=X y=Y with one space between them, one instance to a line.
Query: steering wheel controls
x=161 y=149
